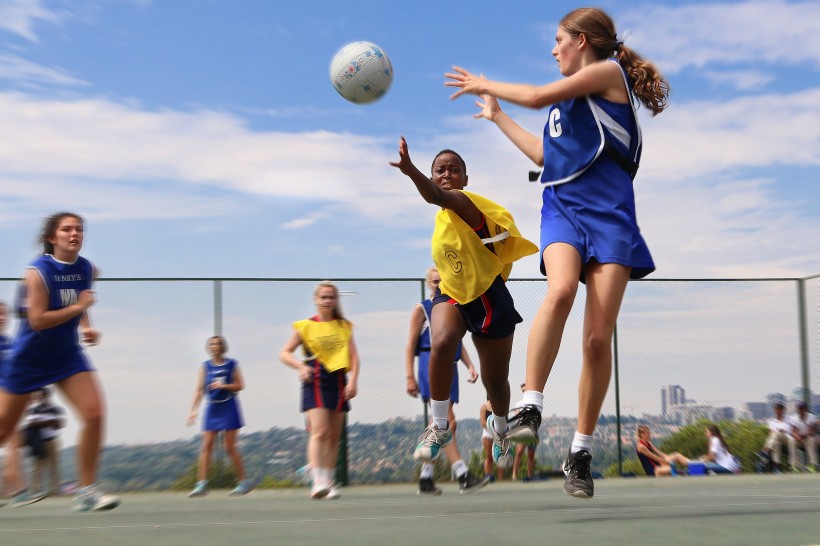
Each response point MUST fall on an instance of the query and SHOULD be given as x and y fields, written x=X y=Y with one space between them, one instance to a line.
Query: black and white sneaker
x=428 y=487
x=579 y=477
x=467 y=483
x=524 y=425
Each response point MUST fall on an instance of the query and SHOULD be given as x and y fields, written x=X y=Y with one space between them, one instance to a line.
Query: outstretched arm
x=532 y=145
x=433 y=194
x=601 y=78
x=651 y=453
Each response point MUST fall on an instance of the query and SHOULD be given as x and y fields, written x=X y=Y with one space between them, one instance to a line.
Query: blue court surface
x=749 y=509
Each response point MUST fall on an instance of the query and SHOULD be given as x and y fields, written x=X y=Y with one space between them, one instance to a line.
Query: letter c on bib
x=452 y=258
x=554 y=124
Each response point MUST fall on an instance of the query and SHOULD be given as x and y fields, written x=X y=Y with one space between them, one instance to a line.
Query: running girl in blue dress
x=53 y=305
x=590 y=152
x=219 y=381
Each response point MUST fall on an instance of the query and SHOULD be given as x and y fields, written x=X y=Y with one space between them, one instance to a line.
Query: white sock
x=460 y=468
x=440 y=409
x=581 y=441
x=500 y=423
x=535 y=398
x=427 y=470
x=323 y=475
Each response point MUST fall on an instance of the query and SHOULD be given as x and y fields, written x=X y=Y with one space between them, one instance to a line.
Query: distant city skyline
x=676 y=408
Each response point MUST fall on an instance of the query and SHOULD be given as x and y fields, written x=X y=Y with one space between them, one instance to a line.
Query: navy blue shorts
x=324 y=389
x=492 y=315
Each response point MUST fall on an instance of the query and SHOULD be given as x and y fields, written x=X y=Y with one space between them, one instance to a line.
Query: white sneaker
x=320 y=490
x=333 y=493
x=91 y=499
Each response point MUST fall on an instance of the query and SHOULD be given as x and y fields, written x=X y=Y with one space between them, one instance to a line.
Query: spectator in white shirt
x=803 y=433
x=42 y=425
x=779 y=434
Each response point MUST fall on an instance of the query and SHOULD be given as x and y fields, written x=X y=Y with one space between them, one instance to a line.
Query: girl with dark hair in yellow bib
x=330 y=355
x=475 y=242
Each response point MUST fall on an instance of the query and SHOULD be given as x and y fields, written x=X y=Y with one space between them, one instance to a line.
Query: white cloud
x=697 y=199
x=744 y=80
x=776 y=32
x=308 y=220
x=27 y=73
x=21 y=16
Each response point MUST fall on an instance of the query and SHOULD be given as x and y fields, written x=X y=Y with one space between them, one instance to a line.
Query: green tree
x=632 y=466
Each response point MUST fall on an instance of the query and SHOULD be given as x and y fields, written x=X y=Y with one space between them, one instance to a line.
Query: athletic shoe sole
x=26 y=502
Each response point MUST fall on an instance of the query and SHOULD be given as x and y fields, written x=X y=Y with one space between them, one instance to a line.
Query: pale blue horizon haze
x=203 y=138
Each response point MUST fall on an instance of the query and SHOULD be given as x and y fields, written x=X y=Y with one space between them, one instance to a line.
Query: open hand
x=404 y=164
x=465 y=82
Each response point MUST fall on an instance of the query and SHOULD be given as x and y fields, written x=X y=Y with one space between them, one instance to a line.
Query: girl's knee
x=561 y=296
x=597 y=344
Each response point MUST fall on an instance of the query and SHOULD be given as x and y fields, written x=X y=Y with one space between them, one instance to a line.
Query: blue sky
x=204 y=139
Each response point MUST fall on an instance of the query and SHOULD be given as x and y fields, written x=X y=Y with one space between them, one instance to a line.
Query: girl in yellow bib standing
x=330 y=354
x=474 y=245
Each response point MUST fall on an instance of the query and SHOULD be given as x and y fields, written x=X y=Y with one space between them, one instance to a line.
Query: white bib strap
x=499 y=237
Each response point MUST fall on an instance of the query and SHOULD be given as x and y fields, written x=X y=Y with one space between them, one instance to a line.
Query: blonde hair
x=428 y=278
x=641 y=429
x=337 y=308
x=648 y=84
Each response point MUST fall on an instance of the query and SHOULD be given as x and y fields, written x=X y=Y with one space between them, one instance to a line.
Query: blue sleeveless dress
x=222 y=411
x=41 y=358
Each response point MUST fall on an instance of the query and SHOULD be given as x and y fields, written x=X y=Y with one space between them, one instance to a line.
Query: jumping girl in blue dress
x=590 y=151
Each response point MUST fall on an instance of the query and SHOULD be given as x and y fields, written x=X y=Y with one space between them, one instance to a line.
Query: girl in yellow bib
x=330 y=354
x=474 y=245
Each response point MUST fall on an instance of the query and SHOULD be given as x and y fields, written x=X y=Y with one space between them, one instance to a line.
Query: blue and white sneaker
x=91 y=499
x=199 y=490
x=501 y=446
x=242 y=488
x=23 y=498
x=431 y=442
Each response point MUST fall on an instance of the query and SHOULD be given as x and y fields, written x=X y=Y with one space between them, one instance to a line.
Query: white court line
x=493 y=513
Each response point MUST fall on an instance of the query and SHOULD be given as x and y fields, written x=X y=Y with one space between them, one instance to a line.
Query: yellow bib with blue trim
x=466 y=265
x=327 y=342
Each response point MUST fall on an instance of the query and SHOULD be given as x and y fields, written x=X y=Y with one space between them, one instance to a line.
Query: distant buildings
x=671 y=396
x=679 y=410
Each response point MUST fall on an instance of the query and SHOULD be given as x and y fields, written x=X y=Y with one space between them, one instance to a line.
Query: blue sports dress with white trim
x=5 y=355
x=222 y=411
x=44 y=357
x=589 y=199
x=423 y=352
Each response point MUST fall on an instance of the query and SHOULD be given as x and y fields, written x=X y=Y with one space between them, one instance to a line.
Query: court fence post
x=617 y=400
x=804 y=342
x=341 y=458
x=423 y=403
